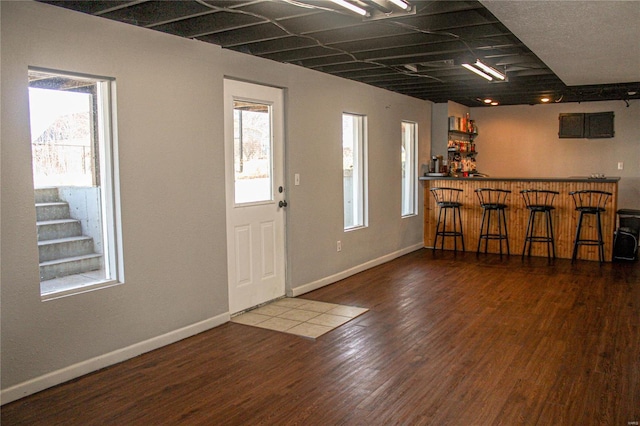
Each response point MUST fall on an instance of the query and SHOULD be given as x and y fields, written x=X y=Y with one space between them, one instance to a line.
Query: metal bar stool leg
x=527 y=234
x=537 y=239
x=577 y=240
x=600 y=239
x=500 y=231
x=484 y=212
x=455 y=232
x=435 y=238
x=553 y=238
x=550 y=242
x=506 y=231
x=444 y=229
x=460 y=223
x=486 y=240
x=532 y=231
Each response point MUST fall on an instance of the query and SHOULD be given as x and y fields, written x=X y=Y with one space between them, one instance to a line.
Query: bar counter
x=564 y=216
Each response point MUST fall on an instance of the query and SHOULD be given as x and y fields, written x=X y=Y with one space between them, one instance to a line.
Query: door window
x=252 y=147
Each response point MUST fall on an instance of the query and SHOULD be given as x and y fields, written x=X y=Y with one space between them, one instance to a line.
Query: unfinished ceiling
x=416 y=52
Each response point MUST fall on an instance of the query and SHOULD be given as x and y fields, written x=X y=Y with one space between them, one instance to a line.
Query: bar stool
x=493 y=200
x=589 y=202
x=448 y=199
x=539 y=201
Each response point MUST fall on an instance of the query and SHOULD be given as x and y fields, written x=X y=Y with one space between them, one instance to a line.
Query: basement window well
x=74 y=175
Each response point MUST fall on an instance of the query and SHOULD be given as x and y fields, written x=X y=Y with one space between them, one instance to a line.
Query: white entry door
x=255 y=197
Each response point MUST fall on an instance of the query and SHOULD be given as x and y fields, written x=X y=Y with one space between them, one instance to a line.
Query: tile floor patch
x=250 y=318
x=290 y=302
x=329 y=320
x=299 y=315
x=302 y=317
x=271 y=310
x=318 y=306
x=278 y=324
x=306 y=329
x=347 y=311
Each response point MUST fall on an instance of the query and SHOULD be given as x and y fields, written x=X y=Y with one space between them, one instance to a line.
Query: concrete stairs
x=63 y=250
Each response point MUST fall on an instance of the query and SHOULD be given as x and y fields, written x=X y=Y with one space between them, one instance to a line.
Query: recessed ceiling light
x=494 y=103
x=488 y=101
x=545 y=100
x=632 y=93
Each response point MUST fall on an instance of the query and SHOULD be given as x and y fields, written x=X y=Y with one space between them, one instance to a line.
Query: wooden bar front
x=564 y=216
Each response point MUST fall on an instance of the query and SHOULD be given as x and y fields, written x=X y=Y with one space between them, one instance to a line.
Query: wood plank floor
x=449 y=339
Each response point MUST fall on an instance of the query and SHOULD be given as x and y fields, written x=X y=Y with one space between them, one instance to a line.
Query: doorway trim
x=256 y=231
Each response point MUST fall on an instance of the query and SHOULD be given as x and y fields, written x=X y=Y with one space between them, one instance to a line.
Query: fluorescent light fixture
x=494 y=72
x=351 y=7
x=477 y=71
x=484 y=70
x=401 y=4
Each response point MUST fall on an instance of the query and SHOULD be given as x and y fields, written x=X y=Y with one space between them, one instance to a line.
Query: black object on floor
x=625 y=241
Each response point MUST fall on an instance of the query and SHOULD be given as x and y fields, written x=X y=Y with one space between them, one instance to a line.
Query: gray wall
x=170 y=151
x=440 y=114
x=523 y=141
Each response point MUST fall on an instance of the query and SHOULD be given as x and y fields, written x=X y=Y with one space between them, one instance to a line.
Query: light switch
x=620 y=165
x=296 y=179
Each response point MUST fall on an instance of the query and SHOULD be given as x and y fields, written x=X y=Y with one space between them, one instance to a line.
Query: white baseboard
x=57 y=377
x=305 y=288
x=71 y=372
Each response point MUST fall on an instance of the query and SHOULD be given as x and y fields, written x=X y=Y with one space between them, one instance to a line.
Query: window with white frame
x=354 y=170
x=409 y=165
x=74 y=177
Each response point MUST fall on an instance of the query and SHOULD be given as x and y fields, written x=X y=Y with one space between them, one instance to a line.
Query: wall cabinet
x=586 y=125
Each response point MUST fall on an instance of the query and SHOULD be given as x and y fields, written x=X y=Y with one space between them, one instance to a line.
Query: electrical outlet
x=620 y=165
x=339 y=246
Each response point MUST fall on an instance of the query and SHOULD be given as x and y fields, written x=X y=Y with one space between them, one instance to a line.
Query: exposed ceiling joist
x=415 y=52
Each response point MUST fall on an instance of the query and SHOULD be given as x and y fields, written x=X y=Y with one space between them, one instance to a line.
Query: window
x=354 y=170
x=252 y=152
x=409 y=165
x=73 y=176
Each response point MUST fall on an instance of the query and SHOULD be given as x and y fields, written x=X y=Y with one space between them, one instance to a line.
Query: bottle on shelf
x=461 y=147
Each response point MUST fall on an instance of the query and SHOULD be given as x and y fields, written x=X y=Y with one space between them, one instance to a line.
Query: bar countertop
x=607 y=179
